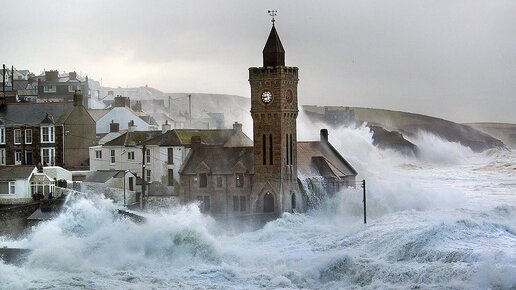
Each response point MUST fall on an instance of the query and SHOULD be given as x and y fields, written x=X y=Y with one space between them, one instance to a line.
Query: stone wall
x=13 y=219
x=161 y=201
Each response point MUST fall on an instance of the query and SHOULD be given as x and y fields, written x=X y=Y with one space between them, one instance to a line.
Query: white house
x=122 y=116
x=19 y=183
x=118 y=185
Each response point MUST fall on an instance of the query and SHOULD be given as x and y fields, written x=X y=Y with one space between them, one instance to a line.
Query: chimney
x=51 y=76
x=72 y=76
x=195 y=142
x=324 y=135
x=165 y=127
x=130 y=126
x=121 y=101
x=77 y=98
x=114 y=127
x=237 y=127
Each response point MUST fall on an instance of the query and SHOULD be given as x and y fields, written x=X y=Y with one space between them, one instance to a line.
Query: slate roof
x=10 y=173
x=216 y=137
x=34 y=113
x=208 y=136
x=101 y=176
x=315 y=158
x=96 y=114
x=133 y=138
x=219 y=160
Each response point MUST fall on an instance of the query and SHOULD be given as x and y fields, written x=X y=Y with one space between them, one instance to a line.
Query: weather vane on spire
x=273 y=14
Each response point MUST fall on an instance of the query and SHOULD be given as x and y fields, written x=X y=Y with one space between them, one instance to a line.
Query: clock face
x=289 y=96
x=266 y=97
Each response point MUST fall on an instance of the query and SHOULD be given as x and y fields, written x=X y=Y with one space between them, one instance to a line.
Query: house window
x=28 y=157
x=48 y=156
x=47 y=134
x=49 y=89
x=171 y=177
x=219 y=181
x=131 y=183
x=98 y=154
x=72 y=88
x=17 y=136
x=2 y=135
x=148 y=175
x=204 y=202
x=130 y=155
x=239 y=203
x=7 y=187
x=2 y=156
x=239 y=180
x=113 y=158
x=148 y=157
x=203 y=180
x=170 y=155
x=17 y=157
x=28 y=136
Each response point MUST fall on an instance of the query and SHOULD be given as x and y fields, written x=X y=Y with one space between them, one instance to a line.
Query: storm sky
x=445 y=58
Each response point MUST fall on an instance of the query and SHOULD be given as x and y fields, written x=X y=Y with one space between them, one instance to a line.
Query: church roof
x=273 y=52
x=219 y=160
x=316 y=158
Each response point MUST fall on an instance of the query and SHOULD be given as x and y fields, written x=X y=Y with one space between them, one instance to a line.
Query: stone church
x=277 y=174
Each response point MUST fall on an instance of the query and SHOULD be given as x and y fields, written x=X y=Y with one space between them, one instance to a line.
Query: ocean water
x=444 y=220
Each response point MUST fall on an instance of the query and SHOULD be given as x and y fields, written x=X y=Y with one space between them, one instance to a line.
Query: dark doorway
x=268 y=202
x=293 y=201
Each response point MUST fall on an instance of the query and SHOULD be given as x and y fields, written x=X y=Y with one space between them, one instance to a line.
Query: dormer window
x=47 y=134
x=72 y=88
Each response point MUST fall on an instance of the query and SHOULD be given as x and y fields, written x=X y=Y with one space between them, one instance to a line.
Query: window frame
x=2 y=134
x=18 y=157
x=98 y=154
x=17 y=136
x=147 y=156
x=170 y=180
x=239 y=183
x=148 y=175
x=51 y=157
x=2 y=156
x=28 y=136
x=49 y=88
x=112 y=156
x=130 y=155
x=170 y=155
x=50 y=134
x=203 y=180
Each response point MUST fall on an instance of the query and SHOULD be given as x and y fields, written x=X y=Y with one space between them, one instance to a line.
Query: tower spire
x=273 y=52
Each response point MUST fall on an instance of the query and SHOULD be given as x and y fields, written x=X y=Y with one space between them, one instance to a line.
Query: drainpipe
x=227 y=201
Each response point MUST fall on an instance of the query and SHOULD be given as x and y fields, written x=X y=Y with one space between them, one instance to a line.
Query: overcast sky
x=446 y=58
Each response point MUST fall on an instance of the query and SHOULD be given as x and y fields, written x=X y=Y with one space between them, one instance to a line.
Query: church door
x=268 y=202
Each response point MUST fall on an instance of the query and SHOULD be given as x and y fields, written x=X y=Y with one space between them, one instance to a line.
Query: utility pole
x=169 y=108
x=364 y=196
x=3 y=80
x=143 y=177
x=12 y=78
x=190 y=108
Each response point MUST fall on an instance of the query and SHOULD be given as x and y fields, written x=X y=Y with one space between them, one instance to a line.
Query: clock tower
x=274 y=111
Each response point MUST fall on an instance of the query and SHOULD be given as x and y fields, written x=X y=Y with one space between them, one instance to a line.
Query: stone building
x=61 y=88
x=269 y=176
x=48 y=133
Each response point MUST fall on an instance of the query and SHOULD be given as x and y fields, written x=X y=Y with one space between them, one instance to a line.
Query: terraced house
x=46 y=133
